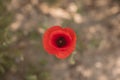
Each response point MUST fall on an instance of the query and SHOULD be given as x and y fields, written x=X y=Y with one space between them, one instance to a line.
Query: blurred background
x=96 y=23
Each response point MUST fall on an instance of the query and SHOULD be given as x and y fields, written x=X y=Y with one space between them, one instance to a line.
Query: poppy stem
x=72 y=60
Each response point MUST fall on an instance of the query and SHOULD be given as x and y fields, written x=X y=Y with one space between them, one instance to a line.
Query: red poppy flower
x=59 y=41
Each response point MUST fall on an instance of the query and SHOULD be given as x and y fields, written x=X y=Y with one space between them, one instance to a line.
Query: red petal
x=73 y=35
x=46 y=38
x=71 y=32
x=62 y=55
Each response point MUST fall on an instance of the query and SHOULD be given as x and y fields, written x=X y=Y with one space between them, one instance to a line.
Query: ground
x=96 y=23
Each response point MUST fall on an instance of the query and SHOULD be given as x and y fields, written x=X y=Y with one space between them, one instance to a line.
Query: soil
x=97 y=25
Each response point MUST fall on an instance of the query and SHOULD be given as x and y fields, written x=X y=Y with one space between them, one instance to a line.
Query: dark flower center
x=61 y=42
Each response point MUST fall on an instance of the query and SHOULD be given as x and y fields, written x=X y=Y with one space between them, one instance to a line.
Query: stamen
x=61 y=42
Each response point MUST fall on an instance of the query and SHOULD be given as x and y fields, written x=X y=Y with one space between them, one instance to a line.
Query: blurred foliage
x=51 y=2
x=34 y=35
x=5 y=19
x=6 y=61
x=38 y=72
x=10 y=55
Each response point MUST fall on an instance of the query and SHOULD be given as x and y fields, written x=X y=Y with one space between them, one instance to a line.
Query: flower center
x=61 y=42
